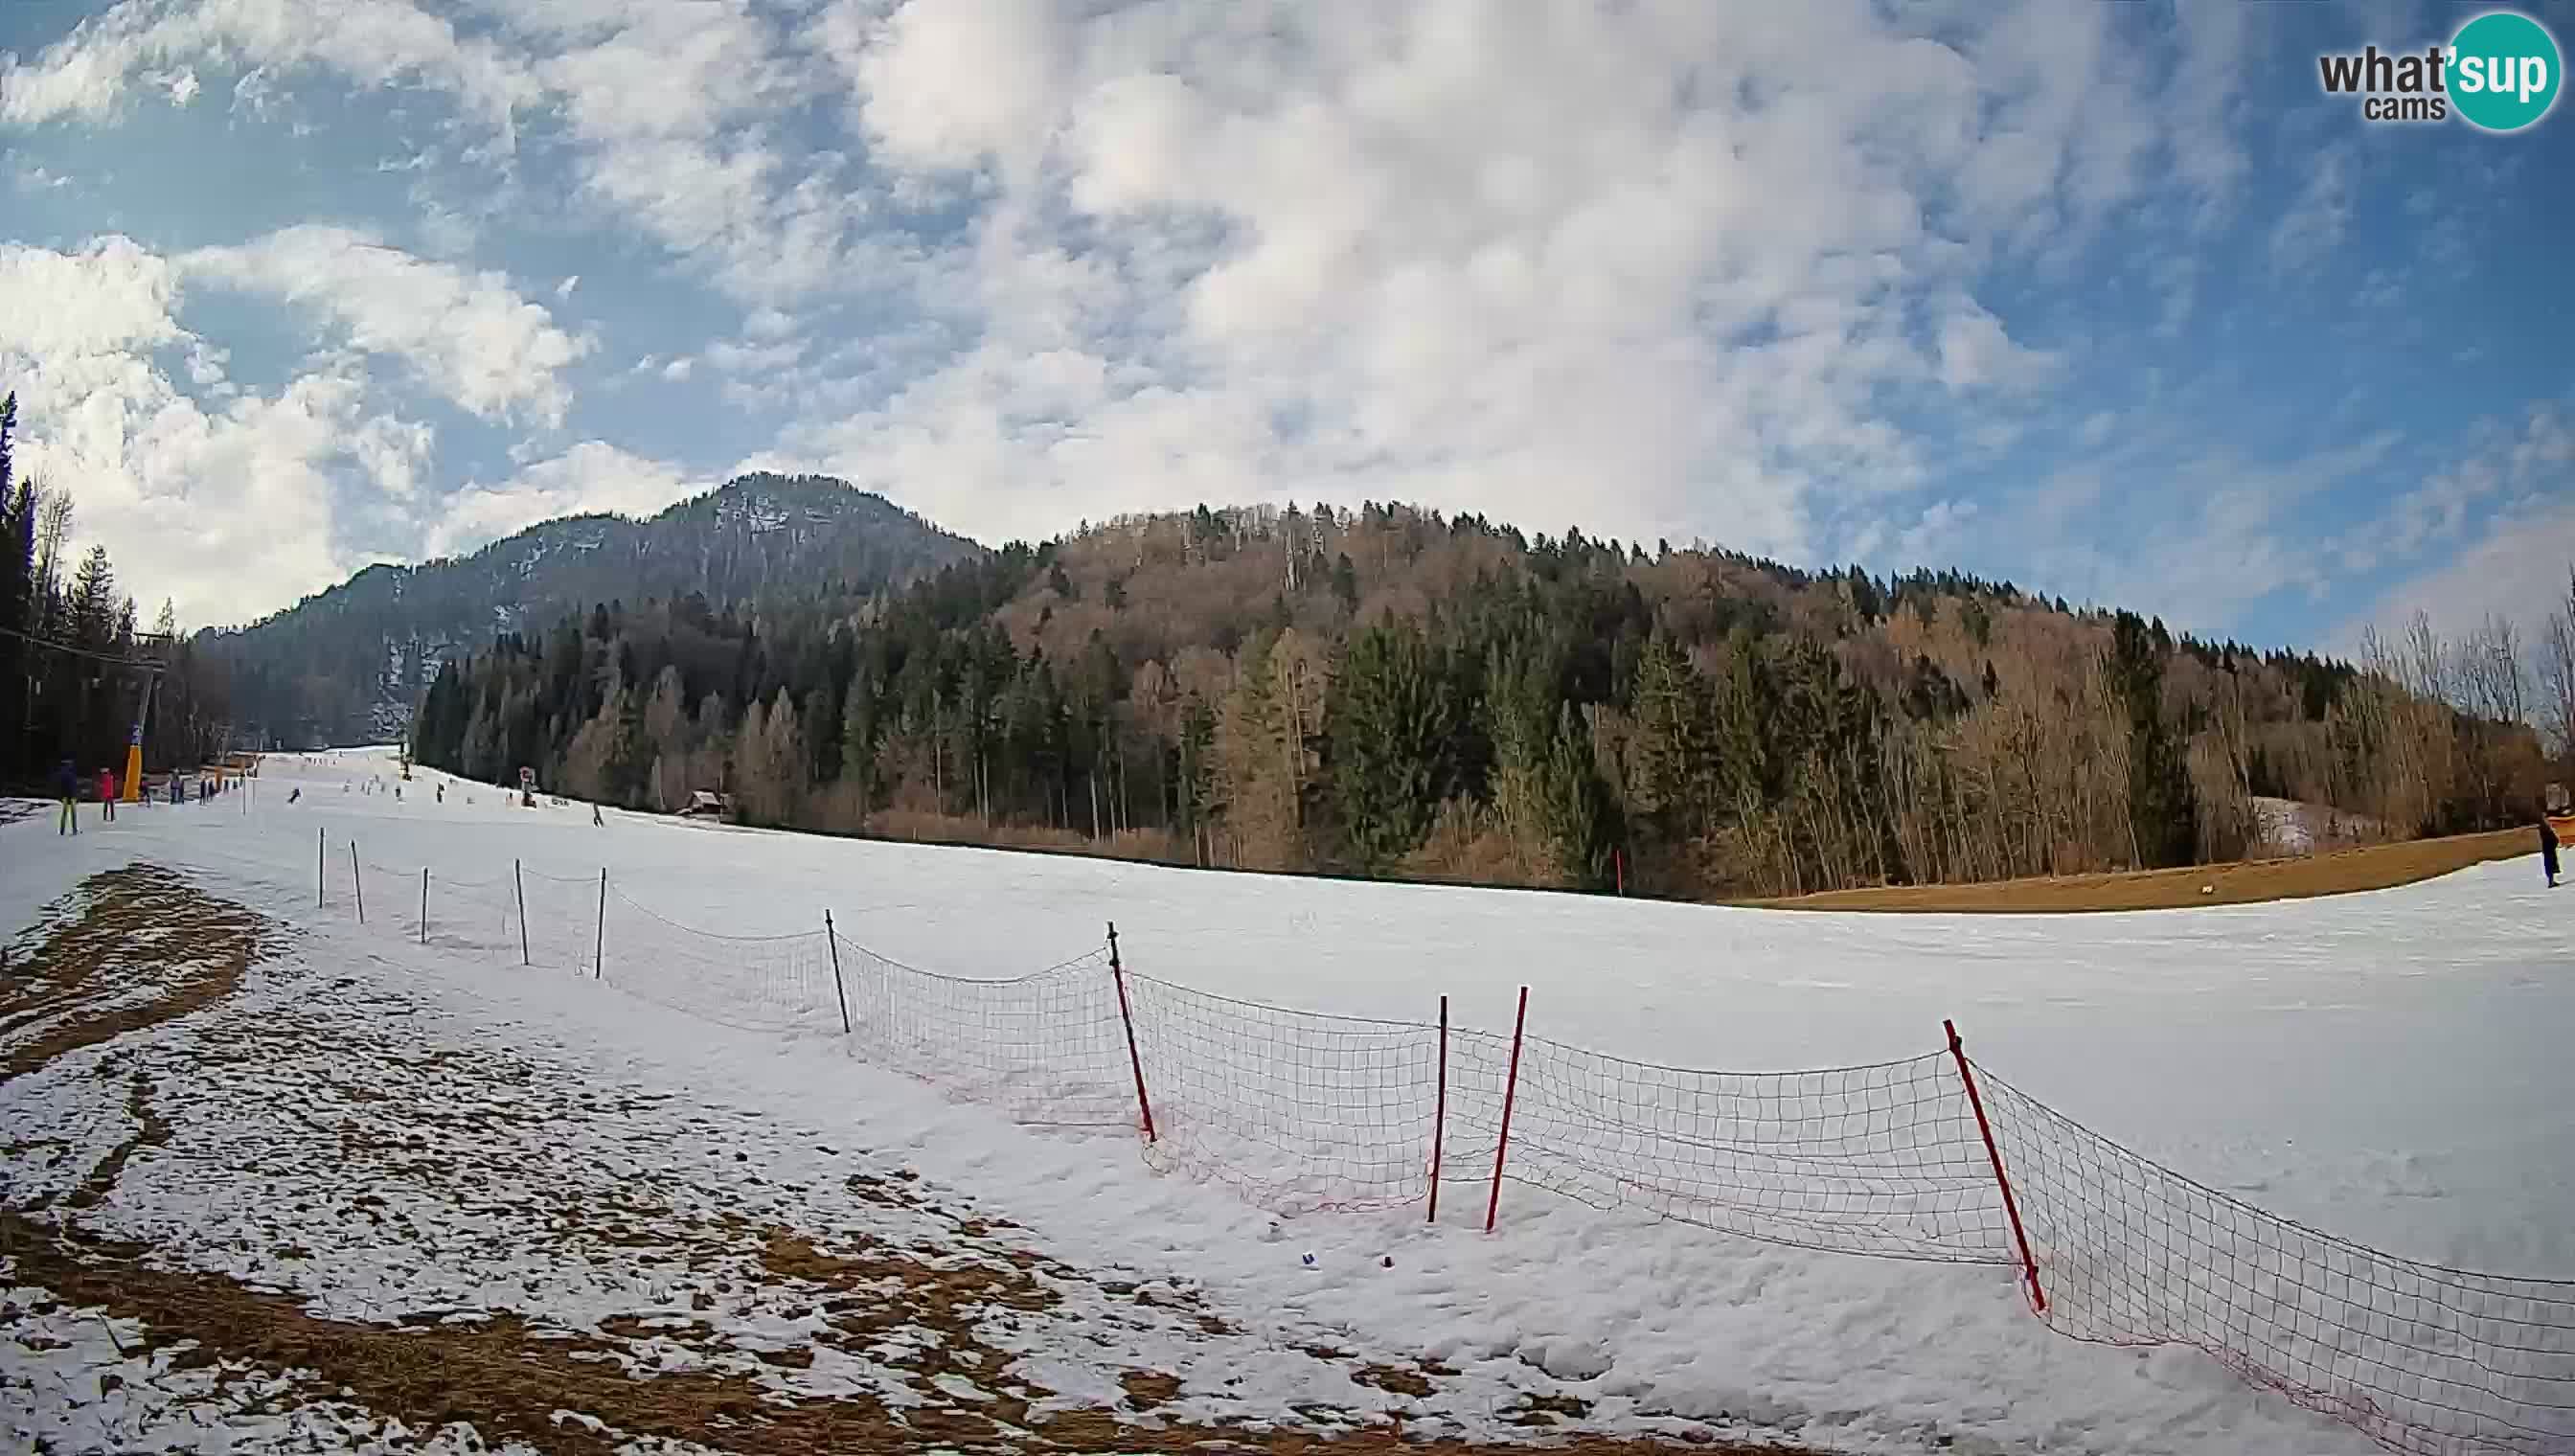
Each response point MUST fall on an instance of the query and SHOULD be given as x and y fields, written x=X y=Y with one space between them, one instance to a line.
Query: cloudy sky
x=2105 y=298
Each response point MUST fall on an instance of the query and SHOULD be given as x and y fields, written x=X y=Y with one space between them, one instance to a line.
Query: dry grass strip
x=2342 y=872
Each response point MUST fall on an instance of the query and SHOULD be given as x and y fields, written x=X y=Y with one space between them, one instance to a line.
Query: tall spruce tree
x=1387 y=730
x=2163 y=807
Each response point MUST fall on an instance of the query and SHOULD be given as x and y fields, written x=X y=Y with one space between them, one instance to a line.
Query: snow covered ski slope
x=2387 y=1068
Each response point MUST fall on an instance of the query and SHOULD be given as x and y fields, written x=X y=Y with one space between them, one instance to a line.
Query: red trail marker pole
x=1510 y=1091
x=2012 y=1208
x=1440 y=1119
x=1134 y=1059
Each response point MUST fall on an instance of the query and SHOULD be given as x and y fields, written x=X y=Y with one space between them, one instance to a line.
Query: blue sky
x=2108 y=300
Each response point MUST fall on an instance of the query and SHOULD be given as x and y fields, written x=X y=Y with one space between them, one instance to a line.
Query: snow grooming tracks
x=342 y=1231
x=1300 y=1111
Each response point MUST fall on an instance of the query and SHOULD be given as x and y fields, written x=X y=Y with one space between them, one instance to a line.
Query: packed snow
x=2389 y=1068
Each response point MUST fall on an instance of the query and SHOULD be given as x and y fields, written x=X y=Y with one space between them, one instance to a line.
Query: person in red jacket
x=107 y=795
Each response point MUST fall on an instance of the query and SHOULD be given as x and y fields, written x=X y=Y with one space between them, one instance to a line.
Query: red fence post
x=1117 y=973
x=1511 y=1091
x=2011 y=1209
x=1440 y=1119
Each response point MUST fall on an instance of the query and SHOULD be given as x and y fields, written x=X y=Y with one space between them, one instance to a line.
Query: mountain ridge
x=349 y=662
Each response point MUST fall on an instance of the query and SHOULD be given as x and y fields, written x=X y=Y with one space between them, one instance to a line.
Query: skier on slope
x=2548 y=849
x=594 y=816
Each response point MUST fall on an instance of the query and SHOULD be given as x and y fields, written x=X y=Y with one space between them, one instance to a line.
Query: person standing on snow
x=67 y=786
x=2548 y=849
x=107 y=795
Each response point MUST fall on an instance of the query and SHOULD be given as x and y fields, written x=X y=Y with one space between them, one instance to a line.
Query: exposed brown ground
x=2374 y=866
x=508 y=1375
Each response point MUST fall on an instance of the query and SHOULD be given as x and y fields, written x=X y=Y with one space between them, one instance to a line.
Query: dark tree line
x=1389 y=692
x=72 y=661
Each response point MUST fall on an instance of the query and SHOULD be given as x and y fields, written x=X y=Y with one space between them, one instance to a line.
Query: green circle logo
x=2504 y=71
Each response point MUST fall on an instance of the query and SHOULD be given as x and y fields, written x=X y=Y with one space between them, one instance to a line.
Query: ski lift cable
x=81 y=651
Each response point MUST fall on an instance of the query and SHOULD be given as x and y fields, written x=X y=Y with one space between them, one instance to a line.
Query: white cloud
x=1662 y=268
x=2502 y=516
x=470 y=336
x=372 y=42
x=2314 y=223
x=228 y=506
x=2515 y=567
x=593 y=476
x=1479 y=257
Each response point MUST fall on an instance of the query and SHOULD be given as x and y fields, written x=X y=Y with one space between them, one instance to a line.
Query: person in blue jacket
x=67 y=787
x=2548 y=849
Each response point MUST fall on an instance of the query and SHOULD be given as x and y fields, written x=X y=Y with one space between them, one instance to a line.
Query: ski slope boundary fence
x=1932 y=1158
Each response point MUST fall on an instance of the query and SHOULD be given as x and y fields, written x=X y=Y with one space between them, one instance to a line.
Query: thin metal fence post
x=1440 y=1119
x=2012 y=1208
x=832 y=938
x=1134 y=1059
x=321 y=856
x=360 y=886
x=522 y=886
x=424 y=904
x=1511 y=1091
x=599 y=948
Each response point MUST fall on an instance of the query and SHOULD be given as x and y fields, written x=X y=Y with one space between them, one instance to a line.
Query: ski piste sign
x=2500 y=72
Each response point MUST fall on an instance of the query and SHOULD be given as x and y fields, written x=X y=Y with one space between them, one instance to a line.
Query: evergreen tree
x=1674 y=751
x=1389 y=730
x=17 y=579
x=859 y=737
x=2163 y=807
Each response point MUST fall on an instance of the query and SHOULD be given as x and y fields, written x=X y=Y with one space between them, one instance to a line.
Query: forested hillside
x=347 y=666
x=1391 y=693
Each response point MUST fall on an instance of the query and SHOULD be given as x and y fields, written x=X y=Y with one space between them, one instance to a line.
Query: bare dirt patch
x=2343 y=871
